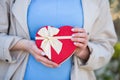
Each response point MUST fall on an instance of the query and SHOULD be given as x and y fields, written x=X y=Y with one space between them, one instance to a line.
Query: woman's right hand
x=30 y=46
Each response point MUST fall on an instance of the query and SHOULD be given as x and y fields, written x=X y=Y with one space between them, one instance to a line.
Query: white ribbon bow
x=49 y=40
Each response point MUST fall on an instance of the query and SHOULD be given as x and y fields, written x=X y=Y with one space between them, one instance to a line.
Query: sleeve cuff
x=98 y=57
x=5 y=50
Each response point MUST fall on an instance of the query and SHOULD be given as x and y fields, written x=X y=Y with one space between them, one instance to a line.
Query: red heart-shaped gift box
x=67 y=45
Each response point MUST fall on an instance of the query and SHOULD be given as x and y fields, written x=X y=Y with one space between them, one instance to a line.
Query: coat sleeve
x=6 y=41
x=102 y=39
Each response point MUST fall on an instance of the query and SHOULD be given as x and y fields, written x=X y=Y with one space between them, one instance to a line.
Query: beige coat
x=13 y=27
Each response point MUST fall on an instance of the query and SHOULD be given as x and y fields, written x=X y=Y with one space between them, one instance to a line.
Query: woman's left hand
x=80 y=39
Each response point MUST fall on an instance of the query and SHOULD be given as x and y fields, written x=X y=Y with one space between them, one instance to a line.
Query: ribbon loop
x=49 y=40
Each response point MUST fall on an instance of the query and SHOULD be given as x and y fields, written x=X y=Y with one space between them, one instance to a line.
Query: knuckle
x=84 y=30
x=81 y=45
x=85 y=35
x=80 y=34
x=83 y=40
x=78 y=39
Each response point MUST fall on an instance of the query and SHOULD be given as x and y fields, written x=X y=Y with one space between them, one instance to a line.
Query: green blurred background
x=112 y=70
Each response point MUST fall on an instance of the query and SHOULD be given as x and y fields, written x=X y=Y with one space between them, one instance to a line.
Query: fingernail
x=42 y=53
x=73 y=35
x=72 y=29
x=74 y=43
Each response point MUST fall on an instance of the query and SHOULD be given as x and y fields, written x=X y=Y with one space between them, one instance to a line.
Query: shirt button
x=88 y=33
x=6 y=60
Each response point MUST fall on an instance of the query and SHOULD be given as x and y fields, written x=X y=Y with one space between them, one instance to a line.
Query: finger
x=37 y=50
x=80 y=45
x=79 y=35
x=79 y=40
x=81 y=30
x=46 y=61
x=40 y=58
x=51 y=66
x=37 y=53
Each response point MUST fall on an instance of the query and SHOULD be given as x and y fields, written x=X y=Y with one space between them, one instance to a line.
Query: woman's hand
x=31 y=47
x=80 y=39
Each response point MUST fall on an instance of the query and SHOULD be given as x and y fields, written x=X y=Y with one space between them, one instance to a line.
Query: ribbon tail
x=45 y=45
x=57 y=45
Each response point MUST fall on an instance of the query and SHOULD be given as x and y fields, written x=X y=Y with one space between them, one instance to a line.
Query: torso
x=55 y=13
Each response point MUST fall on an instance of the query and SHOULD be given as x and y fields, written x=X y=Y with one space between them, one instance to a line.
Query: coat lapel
x=90 y=10
x=19 y=10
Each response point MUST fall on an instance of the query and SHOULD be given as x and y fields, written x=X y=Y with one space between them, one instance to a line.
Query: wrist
x=84 y=55
x=21 y=45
